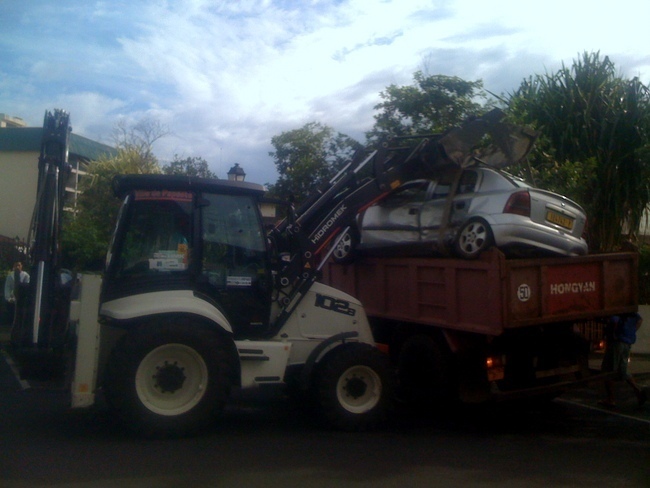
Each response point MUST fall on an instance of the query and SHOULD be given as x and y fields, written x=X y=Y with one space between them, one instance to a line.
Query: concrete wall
x=19 y=176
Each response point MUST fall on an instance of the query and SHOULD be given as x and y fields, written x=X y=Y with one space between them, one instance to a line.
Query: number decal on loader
x=335 y=305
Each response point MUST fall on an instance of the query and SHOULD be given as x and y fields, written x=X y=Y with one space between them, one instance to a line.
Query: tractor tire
x=354 y=387
x=168 y=379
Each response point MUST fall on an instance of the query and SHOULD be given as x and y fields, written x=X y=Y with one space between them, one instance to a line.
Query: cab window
x=234 y=249
x=158 y=236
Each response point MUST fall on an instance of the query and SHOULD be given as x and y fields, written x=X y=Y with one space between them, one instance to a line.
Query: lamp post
x=236 y=173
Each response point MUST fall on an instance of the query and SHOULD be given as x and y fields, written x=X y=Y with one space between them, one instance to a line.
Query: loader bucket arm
x=38 y=317
x=304 y=239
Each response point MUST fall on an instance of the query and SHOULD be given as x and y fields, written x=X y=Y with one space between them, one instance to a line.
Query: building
x=20 y=148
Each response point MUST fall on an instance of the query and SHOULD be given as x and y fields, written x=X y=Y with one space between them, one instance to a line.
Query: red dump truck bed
x=493 y=293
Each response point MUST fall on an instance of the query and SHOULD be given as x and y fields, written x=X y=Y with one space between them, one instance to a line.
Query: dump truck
x=492 y=328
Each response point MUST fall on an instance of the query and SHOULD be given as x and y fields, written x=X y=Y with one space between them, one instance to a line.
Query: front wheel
x=168 y=380
x=355 y=387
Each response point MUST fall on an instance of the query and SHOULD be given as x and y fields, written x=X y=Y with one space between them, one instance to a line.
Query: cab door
x=234 y=266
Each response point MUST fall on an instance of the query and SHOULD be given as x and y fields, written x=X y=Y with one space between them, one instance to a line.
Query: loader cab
x=185 y=233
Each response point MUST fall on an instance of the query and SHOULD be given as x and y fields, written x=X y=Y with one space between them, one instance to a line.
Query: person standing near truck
x=14 y=284
x=620 y=335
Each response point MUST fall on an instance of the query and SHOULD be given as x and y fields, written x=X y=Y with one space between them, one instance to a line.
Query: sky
x=224 y=77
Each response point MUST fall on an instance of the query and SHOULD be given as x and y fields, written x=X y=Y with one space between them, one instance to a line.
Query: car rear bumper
x=520 y=231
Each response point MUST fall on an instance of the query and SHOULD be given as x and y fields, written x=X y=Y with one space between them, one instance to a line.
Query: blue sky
x=226 y=76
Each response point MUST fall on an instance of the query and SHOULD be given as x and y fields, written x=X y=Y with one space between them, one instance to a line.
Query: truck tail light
x=495 y=367
x=518 y=203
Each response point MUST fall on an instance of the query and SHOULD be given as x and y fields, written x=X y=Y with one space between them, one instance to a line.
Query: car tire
x=345 y=251
x=474 y=237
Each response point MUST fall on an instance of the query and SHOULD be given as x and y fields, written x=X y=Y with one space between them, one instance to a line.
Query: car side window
x=441 y=190
x=409 y=193
x=467 y=182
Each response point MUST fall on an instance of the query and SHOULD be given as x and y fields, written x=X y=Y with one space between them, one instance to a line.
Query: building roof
x=28 y=139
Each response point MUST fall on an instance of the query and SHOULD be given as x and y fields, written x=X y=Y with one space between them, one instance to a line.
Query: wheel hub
x=355 y=387
x=169 y=377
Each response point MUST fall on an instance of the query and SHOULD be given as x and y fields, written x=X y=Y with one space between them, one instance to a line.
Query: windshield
x=158 y=234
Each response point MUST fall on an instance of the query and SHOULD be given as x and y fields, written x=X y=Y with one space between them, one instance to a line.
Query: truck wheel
x=345 y=251
x=424 y=372
x=474 y=237
x=168 y=380
x=354 y=387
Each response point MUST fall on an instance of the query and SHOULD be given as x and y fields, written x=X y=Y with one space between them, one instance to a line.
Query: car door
x=433 y=210
x=396 y=219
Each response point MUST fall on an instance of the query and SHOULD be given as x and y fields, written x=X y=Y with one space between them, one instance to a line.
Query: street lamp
x=236 y=173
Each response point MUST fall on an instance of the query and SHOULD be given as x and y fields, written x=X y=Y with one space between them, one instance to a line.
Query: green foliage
x=595 y=145
x=190 y=166
x=306 y=158
x=430 y=104
x=86 y=235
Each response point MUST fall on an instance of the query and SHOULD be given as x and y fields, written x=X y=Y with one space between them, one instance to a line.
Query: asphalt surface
x=266 y=441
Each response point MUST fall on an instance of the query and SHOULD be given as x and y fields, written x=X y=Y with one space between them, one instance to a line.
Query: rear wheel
x=168 y=380
x=355 y=387
x=474 y=237
x=424 y=372
x=346 y=250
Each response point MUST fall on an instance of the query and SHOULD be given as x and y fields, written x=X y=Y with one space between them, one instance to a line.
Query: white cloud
x=227 y=76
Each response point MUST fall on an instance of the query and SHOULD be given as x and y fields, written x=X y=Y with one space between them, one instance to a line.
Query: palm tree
x=595 y=142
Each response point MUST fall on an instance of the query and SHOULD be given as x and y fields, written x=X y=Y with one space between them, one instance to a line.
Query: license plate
x=559 y=219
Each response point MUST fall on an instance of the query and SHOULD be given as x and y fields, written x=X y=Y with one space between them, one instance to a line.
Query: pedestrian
x=16 y=280
x=620 y=334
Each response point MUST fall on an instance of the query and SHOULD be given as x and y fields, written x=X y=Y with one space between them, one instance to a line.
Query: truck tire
x=354 y=387
x=424 y=372
x=168 y=379
x=474 y=237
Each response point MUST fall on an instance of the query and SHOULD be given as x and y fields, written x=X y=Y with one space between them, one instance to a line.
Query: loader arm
x=305 y=236
x=41 y=316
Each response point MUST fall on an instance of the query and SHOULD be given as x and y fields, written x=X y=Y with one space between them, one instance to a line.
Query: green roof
x=28 y=139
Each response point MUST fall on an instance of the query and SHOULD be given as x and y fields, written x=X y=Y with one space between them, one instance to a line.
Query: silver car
x=488 y=207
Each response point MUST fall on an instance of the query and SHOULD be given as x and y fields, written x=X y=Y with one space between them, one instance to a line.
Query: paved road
x=264 y=441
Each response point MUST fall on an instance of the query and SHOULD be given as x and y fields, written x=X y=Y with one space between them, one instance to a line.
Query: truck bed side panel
x=492 y=293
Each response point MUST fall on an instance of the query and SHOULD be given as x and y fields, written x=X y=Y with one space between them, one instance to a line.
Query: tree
x=307 y=157
x=140 y=136
x=191 y=166
x=431 y=104
x=595 y=144
x=87 y=233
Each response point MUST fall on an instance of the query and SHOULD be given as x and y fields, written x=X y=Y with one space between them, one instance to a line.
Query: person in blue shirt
x=620 y=335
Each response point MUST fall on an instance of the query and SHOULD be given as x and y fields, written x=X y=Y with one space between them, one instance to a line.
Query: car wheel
x=474 y=237
x=346 y=250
